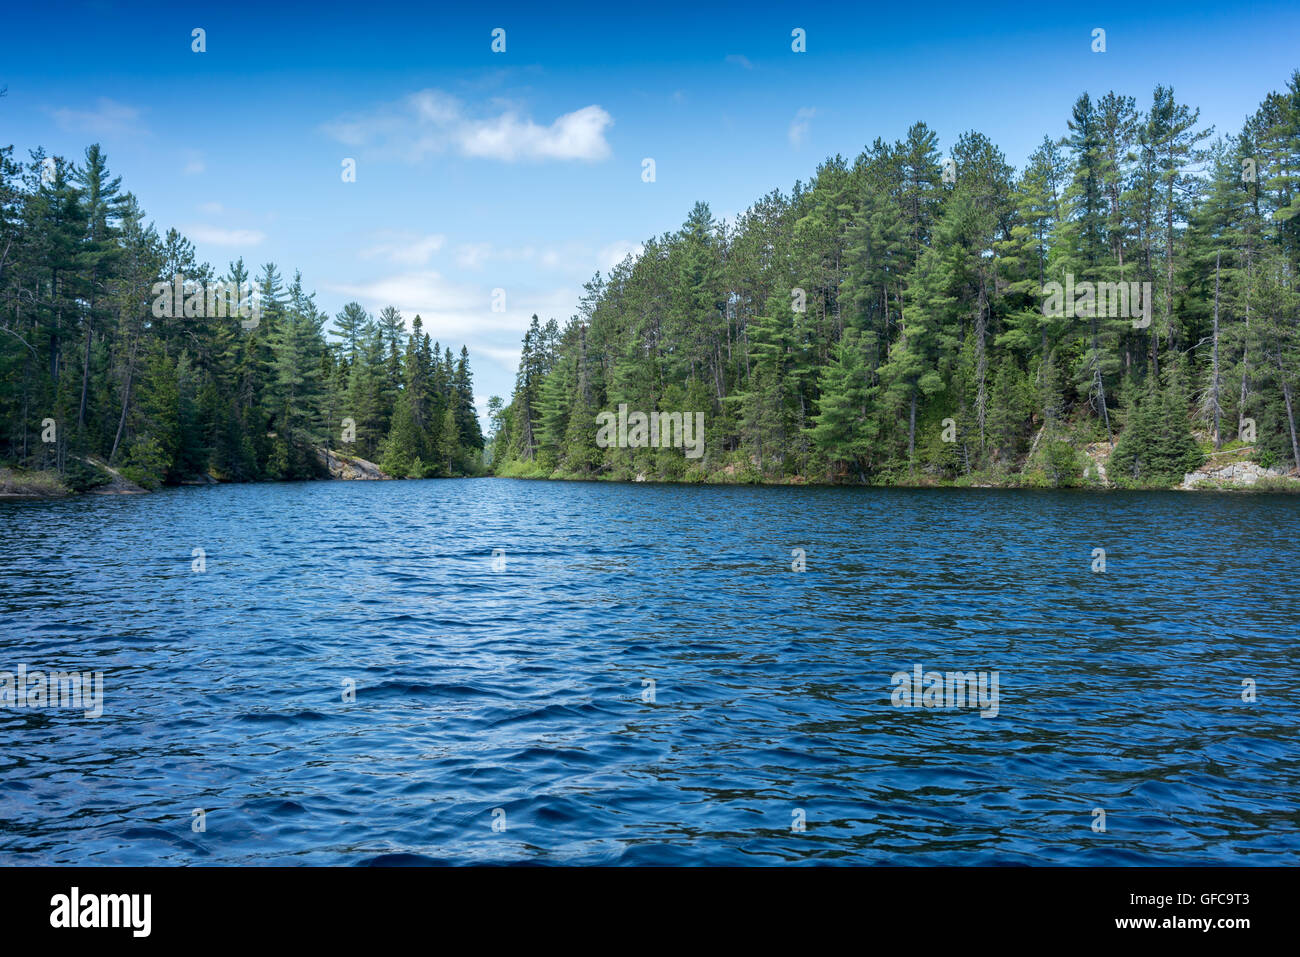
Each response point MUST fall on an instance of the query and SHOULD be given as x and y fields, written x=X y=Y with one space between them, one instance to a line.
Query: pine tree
x=842 y=431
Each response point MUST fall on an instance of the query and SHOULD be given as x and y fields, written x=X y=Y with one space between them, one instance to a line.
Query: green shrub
x=146 y=462
x=1061 y=464
x=80 y=476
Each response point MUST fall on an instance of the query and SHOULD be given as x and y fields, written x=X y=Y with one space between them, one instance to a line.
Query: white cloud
x=736 y=59
x=799 y=125
x=569 y=256
x=225 y=237
x=194 y=163
x=578 y=135
x=473 y=255
x=212 y=209
x=405 y=249
x=457 y=313
x=425 y=291
x=430 y=122
x=508 y=359
x=613 y=254
x=108 y=118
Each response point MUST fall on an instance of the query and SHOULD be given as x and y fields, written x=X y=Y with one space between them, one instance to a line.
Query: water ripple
x=349 y=680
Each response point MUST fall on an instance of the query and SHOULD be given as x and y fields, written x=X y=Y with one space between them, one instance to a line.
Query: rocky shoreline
x=1223 y=471
x=22 y=484
x=1239 y=474
x=350 y=468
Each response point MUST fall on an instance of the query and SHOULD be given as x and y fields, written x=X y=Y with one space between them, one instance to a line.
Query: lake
x=346 y=674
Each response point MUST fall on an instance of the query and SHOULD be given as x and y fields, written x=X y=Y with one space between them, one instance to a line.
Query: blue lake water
x=504 y=715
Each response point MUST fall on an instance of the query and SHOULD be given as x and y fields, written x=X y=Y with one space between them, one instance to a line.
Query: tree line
x=886 y=319
x=89 y=370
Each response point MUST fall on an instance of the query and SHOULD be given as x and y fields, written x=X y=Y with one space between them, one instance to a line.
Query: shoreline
x=1228 y=469
x=1283 y=486
x=1232 y=472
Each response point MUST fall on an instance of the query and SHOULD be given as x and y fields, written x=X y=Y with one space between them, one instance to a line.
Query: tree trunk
x=1169 y=263
x=1290 y=417
x=981 y=362
x=85 y=367
x=1105 y=415
x=1214 y=384
x=1245 y=355
x=126 y=399
x=911 y=429
x=1097 y=381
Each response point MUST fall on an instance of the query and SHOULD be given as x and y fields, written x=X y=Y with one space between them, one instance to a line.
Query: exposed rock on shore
x=1098 y=454
x=1236 y=473
x=349 y=467
x=118 y=484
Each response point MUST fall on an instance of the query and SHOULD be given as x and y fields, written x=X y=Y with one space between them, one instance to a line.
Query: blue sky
x=522 y=170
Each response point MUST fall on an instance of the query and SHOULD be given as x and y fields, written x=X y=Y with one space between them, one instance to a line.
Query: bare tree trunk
x=126 y=399
x=981 y=362
x=1245 y=355
x=1097 y=381
x=1101 y=394
x=1214 y=385
x=1169 y=264
x=717 y=371
x=1290 y=417
x=85 y=366
x=911 y=429
x=27 y=377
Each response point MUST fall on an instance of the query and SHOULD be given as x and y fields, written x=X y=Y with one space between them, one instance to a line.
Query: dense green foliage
x=173 y=399
x=923 y=345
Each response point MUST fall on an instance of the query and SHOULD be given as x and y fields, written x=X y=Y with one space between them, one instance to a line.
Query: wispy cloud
x=473 y=255
x=800 y=124
x=225 y=237
x=405 y=249
x=456 y=313
x=566 y=256
x=736 y=59
x=507 y=358
x=108 y=118
x=431 y=122
x=613 y=254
